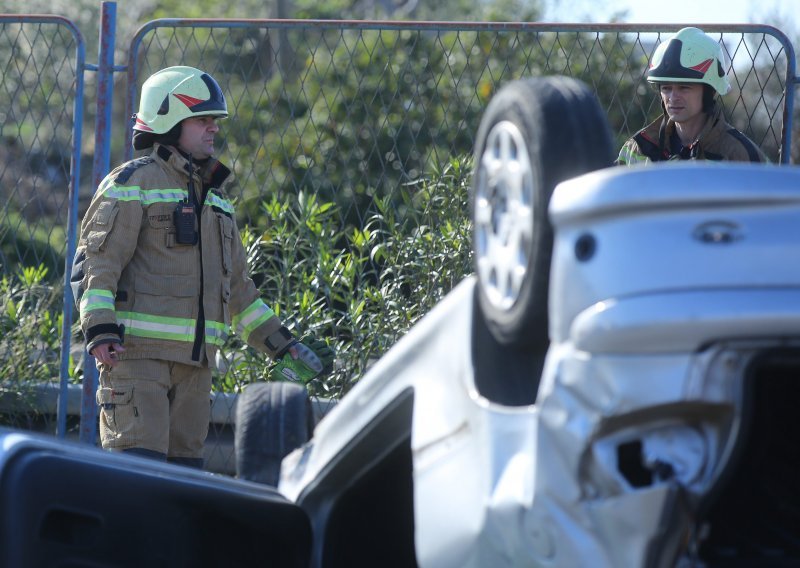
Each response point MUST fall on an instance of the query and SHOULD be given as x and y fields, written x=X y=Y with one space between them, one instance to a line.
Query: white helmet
x=690 y=56
x=174 y=94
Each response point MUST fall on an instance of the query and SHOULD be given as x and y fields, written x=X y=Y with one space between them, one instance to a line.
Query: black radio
x=185 y=233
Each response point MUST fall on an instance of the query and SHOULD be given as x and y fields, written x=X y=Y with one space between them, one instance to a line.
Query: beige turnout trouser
x=156 y=405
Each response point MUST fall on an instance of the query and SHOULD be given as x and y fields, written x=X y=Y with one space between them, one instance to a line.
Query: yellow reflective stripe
x=215 y=200
x=175 y=329
x=97 y=300
x=157 y=327
x=146 y=196
x=629 y=157
x=254 y=315
x=121 y=192
x=150 y=196
x=216 y=333
x=105 y=185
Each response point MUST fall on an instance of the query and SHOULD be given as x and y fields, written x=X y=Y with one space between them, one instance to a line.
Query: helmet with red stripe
x=690 y=56
x=174 y=94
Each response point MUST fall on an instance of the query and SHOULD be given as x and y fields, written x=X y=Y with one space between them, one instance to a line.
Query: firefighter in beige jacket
x=690 y=76
x=160 y=277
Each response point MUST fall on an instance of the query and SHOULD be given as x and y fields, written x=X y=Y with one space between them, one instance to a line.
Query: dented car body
x=674 y=324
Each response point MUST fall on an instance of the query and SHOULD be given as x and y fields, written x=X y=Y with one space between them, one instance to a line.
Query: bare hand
x=106 y=353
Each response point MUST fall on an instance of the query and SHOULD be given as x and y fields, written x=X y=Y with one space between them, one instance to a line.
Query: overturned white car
x=652 y=426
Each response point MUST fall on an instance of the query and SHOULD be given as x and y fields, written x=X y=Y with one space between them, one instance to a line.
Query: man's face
x=197 y=136
x=683 y=101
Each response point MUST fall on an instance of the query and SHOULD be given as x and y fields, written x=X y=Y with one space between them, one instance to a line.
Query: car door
x=66 y=504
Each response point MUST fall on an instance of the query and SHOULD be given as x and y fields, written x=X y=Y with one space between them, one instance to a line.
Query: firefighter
x=160 y=277
x=689 y=74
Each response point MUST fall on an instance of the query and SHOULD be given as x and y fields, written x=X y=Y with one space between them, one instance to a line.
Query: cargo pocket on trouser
x=118 y=416
x=134 y=409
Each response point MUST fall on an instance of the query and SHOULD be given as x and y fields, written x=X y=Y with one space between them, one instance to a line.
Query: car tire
x=534 y=134
x=272 y=419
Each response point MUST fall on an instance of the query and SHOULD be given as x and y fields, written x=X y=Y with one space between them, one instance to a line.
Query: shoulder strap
x=127 y=171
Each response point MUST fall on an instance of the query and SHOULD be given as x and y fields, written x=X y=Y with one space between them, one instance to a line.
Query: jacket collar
x=712 y=129
x=212 y=172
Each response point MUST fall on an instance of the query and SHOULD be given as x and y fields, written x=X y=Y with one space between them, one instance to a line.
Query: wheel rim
x=504 y=214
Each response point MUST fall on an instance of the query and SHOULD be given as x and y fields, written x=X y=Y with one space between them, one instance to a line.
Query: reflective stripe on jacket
x=176 y=301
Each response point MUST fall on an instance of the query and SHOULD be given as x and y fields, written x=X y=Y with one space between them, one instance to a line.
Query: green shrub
x=30 y=339
x=360 y=289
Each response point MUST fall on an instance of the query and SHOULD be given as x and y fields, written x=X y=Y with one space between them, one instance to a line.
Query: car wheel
x=534 y=134
x=272 y=419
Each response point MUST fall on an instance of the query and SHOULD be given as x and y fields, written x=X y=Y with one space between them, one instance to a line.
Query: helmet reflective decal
x=187 y=100
x=142 y=125
x=703 y=66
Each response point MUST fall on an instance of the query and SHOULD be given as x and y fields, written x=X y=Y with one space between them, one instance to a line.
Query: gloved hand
x=314 y=358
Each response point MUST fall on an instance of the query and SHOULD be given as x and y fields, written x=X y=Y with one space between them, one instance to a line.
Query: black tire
x=272 y=419
x=551 y=129
x=505 y=375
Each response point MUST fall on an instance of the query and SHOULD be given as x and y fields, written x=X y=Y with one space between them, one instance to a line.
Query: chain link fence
x=351 y=114
x=41 y=84
x=352 y=108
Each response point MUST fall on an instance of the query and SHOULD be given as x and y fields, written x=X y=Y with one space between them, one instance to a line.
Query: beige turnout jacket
x=134 y=281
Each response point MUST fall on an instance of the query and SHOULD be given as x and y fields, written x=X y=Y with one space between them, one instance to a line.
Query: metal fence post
x=72 y=224
x=100 y=167
x=792 y=85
